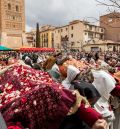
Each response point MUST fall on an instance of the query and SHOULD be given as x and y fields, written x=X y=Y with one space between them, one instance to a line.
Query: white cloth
x=39 y=60
x=103 y=82
x=72 y=72
x=102 y=106
x=27 y=58
x=104 y=64
x=21 y=56
x=92 y=61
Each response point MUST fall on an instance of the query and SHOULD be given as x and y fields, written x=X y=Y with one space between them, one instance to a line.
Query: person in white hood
x=104 y=83
x=72 y=72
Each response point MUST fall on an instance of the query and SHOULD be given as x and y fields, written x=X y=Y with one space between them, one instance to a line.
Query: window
x=95 y=28
x=86 y=27
x=101 y=37
x=58 y=31
x=52 y=34
x=96 y=36
x=13 y=26
x=9 y=6
x=90 y=35
x=102 y=30
x=17 y=8
x=95 y=49
x=61 y=30
x=71 y=35
x=66 y=29
x=13 y=17
x=85 y=33
x=90 y=27
x=71 y=27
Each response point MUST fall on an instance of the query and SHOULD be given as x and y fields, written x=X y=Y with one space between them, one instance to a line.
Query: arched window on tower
x=17 y=8
x=9 y=6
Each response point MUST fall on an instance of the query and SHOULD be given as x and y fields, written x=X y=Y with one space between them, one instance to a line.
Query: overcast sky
x=60 y=12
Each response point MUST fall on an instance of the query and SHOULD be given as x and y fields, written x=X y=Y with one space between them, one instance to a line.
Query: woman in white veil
x=104 y=83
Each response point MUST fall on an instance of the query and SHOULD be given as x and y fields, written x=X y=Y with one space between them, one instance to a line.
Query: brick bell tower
x=12 y=23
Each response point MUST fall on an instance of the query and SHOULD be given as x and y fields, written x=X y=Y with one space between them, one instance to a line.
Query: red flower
x=23 y=100
x=19 y=70
x=14 y=127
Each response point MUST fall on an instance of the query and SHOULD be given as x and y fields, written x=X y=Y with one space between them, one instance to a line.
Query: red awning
x=38 y=49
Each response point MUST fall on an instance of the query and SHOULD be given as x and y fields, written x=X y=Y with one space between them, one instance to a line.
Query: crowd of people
x=59 y=90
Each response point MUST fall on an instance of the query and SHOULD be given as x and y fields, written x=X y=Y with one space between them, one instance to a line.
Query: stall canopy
x=38 y=49
x=2 y=48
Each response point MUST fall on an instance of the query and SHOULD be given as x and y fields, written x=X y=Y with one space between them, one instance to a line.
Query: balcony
x=94 y=30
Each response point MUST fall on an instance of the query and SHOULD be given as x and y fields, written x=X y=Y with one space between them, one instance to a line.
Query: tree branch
x=115 y=2
x=110 y=3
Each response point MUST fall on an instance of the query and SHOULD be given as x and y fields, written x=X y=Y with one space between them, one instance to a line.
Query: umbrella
x=2 y=48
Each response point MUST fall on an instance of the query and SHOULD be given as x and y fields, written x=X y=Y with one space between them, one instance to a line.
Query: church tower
x=12 y=23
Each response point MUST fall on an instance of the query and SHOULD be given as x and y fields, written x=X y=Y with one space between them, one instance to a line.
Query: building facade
x=111 y=23
x=76 y=34
x=101 y=45
x=12 y=23
x=46 y=36
x=31 y=38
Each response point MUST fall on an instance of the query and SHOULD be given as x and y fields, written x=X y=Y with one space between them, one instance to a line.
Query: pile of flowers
x=19 y=80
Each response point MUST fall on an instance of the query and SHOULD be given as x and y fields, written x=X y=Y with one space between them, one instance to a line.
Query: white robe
x=104 y=83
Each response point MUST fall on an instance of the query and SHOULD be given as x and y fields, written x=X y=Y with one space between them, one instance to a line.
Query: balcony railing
x=94 y=30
